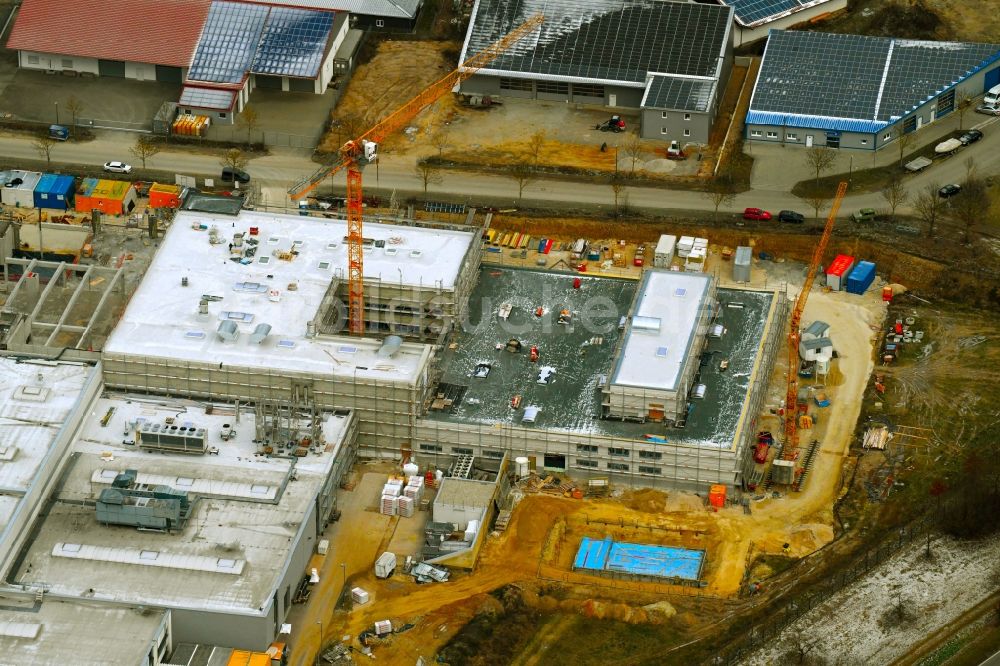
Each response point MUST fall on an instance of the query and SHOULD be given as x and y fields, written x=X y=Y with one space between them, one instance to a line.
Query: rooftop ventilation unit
x=390 y=346
x=228 y=331
x=260 y=333
x=172 y=438
x=157 y=507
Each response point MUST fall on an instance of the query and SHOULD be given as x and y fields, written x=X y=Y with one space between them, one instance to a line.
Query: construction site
x=488 y=437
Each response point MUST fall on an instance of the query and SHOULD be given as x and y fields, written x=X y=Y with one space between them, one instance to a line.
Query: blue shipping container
x=861 y=277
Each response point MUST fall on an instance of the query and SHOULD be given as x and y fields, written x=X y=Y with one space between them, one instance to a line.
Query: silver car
x=117 y=167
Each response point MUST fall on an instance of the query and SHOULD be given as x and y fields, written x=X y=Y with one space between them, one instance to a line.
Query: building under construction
x=462 y=360
x=659 y=388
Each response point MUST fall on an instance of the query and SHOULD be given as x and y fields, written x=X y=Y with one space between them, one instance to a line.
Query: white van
x=992 y=97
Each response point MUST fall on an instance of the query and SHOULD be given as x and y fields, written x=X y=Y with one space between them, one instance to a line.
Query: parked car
x=988 y=109
x=791 y=216
x=756 y=214
x=231 y=175
x=117 y=167
x=971 y=136
x=864 y=215
x=949 y=191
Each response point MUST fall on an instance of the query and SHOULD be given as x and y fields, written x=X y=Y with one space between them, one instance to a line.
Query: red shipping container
x=837 y=271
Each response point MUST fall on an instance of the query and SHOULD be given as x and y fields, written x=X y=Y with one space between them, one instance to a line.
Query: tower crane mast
x=791 y=444
x=357 y=153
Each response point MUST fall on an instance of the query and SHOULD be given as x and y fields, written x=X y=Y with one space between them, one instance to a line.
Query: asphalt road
x=992 y=661
x=279 y=170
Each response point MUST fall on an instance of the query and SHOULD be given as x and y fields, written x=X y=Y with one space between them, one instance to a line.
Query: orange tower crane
x=791 y=446
x=357 y=153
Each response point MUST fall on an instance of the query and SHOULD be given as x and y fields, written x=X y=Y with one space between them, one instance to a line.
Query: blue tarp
x=639 y=559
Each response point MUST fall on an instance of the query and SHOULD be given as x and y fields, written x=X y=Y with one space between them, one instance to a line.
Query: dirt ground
x=397 y=72
x=497 y=135
x=968 y=20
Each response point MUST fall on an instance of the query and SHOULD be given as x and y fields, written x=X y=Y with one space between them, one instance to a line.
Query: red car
x=756 y=214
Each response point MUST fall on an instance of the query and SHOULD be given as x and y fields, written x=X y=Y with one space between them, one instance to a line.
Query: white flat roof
x=662 y=328
x=162 y=319
x=232 y=552
x=70 y=632
x=35 y=400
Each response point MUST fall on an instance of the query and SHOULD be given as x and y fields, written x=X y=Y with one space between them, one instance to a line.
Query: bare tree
x=145 y=147
x=43 y=146
x=969 y=207
x=970 y=167
x=820 y=159
x=523 y=175
x=250 y=121
x=802 y=645
x=234 y=158
x=428 y=174
x=618 y=186
x=903 y=142
x=75 y=107
x=962 y=106
x=439 y=139
x=817 y=202
x=536 y=144
x=634 y=149
x=929 y=206
x=721 y=193
x=895 y=194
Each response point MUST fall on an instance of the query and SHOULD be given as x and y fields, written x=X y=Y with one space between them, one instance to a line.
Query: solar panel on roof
x=858 y=77
x=753 y=11
x=293 y=42
x=668 y=92
x=206 y=98
x=228 y=42
x=616 y=40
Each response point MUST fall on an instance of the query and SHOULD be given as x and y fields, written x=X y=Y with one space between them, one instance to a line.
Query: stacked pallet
x=389 y=505
x=876 y=438
x=405 y=506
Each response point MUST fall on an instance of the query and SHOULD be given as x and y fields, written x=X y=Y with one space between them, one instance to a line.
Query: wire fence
x=861 y=564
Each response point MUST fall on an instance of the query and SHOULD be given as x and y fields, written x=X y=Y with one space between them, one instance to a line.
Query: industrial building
x=669 y=60
x=54 y=631
x=220 y=50
x=209 y=510
x=41 y=405
x=860 y=92
x=381 y=15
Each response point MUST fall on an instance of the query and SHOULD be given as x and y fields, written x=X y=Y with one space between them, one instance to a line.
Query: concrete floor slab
x=572 y=400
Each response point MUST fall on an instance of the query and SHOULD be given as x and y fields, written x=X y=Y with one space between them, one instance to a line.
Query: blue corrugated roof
x=815 y=122
x=55 y=183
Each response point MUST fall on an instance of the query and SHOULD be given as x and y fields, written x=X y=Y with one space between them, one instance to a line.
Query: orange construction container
x=717 y=496
x=162 y=195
